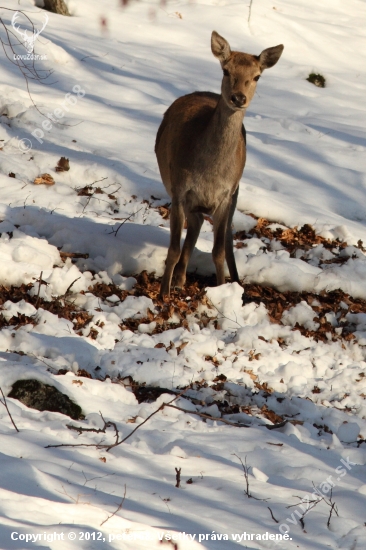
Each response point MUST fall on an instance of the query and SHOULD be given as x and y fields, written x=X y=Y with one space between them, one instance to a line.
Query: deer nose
x=238 y=99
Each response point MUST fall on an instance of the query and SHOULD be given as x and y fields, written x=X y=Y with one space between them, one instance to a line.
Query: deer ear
x=270 y=56
x=220 y=47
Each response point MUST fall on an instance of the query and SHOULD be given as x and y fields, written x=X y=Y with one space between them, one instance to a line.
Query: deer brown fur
x=201 y=151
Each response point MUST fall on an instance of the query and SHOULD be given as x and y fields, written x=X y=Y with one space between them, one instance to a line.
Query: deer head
x=241 y=71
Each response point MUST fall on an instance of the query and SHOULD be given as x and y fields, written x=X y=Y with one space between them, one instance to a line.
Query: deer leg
x=176 y=225
x=194 y=222
x=220 y=222
x=229 y=246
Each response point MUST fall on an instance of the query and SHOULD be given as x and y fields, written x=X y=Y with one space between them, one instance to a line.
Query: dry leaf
x=83 y=372
x=181 y=346
x=63 y=165
x=44 y=179
x=164 y=212
x=86 y=191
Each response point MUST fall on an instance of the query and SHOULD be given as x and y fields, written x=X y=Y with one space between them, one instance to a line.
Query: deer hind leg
x=176 y=225
x=194 y=224
x=229 y=245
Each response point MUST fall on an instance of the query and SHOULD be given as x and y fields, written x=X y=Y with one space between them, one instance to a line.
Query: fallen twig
x=108 y=424
x=274 y=519
x=117 y=510
x=39 y=288
x=69 y=287
x=177 y=476
x=115 y=231
x=276 y=426
x=208 y=417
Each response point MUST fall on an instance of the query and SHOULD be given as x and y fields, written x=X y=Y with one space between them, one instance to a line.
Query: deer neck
x=224 y=129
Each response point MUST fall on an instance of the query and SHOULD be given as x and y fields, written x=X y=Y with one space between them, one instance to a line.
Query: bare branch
x=276 y=426
x=274 y=519
x=69 y=287
x=117 y=510
x=115 y=231
x=165 y=500
x=208 y=417
x=246 y=476
x=222 y=315
x=250 y=11
x=95 y=477
x=29 y=71
x=109 y=424
x=41 y=282
x=103 y=430
x=6 y=406
x=333 y=507
x=65 y=255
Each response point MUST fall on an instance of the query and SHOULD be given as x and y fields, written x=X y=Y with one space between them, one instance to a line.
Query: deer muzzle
x=238 y=99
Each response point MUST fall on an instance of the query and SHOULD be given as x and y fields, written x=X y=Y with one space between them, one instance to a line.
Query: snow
x=305 y=165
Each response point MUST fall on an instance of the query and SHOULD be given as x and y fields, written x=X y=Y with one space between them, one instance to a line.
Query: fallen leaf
x=63 y=165
x=44 y=179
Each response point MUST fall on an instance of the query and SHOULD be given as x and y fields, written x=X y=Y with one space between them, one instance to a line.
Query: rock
x=36 y=395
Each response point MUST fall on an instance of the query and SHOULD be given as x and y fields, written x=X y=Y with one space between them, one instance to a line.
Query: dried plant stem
x=6 y=406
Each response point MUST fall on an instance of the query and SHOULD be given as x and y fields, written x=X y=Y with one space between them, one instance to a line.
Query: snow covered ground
x=87 y=326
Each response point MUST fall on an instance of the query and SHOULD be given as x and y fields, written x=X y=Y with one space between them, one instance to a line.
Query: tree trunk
x=56 y=6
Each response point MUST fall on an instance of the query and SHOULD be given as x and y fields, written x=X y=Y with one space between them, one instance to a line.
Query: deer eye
x=256 y=78
x=226 y=72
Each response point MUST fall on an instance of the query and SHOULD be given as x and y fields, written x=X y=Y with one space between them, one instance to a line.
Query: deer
x=201 y=152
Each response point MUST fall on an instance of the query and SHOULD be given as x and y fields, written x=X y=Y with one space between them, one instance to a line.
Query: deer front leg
x=229 y=245
x=220 y=221
x=194 y=224
x=176 y=225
